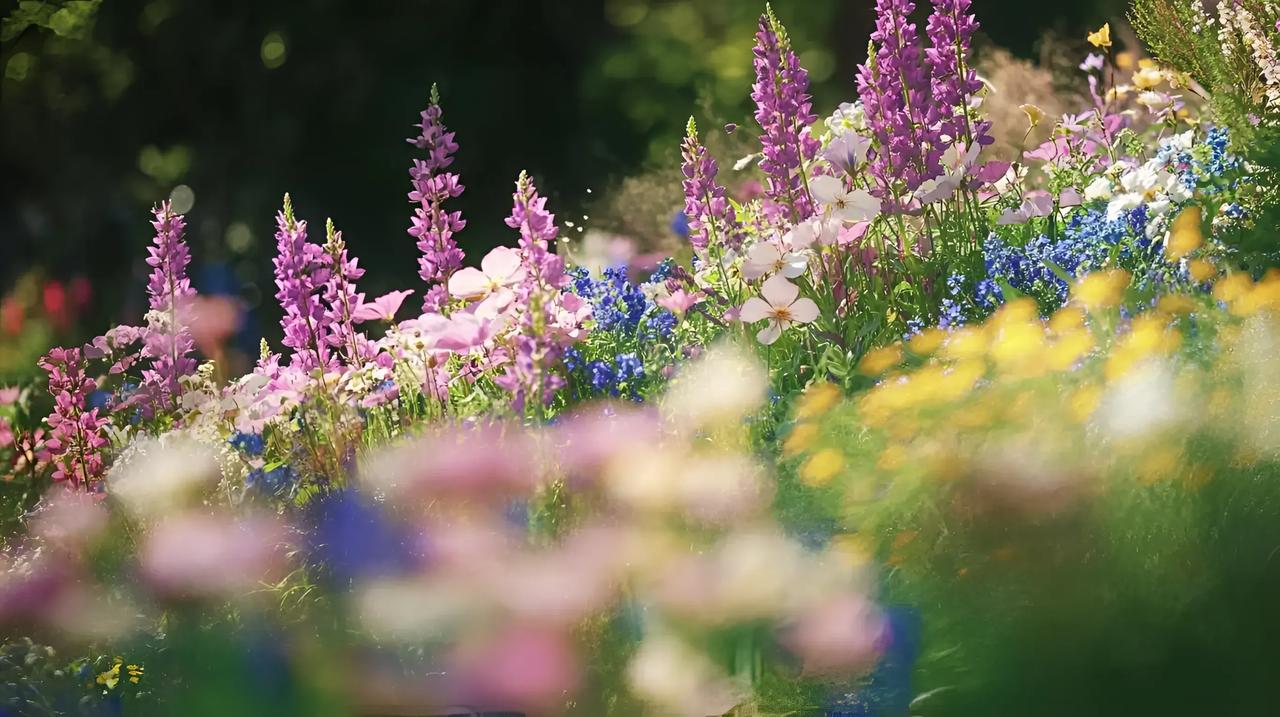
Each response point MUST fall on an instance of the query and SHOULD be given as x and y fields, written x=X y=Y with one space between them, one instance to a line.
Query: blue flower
x=250 y=443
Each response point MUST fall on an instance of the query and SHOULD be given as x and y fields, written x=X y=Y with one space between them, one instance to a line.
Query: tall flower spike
x=168 y=342
x=894 y=87
x=300 y=274
x=341 y=299
x=784 y=111
x=76 y=435
x=432 y=186
x=705 y=204
x=529 y=376
x=954 y=82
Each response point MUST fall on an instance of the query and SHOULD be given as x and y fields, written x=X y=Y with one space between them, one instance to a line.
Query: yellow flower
x=880 y=360
x=822 y=467
x=966 y=343
x=1102 y=37
x=1149 y=76
x=892 y=458
x=1185 y=236
x=1034 y=114
x=1176 y=304
x=817 y=400
x=854 y=549
x=1066 y=320
x=1101 y=289
x=926 y=342
x=1084 y=402
x=1201 y=270
x=800 y=439
x=1069 y=349
x=110 y=678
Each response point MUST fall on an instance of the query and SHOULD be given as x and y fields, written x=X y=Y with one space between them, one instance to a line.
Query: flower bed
x=918 y=428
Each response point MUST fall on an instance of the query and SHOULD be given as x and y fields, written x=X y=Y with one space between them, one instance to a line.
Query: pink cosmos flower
x=569 y=316
x=680 y=301
x=780 y=304
x=500 y=271
x=1038 y=203
x=383 y=308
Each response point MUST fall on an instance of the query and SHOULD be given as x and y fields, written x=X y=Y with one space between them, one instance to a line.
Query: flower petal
x=769 y=333
x=502 y=263
x=826 y=188
x=469 y=282
x=778 y=291
x=754 y=310
x=804 y=310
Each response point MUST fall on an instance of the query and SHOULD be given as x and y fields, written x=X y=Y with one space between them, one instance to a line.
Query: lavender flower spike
x=705 y=205
x=529 y=376
x=341 y=299
x=300 y=273
x=432 y=186
x=784 y=111
x=77 y=437
x=950 y=29
x=894 y=86
x=167 y=341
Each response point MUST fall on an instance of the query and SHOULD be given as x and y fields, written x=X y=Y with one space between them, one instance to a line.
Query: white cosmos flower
x=842 y=203
x=780 y=304
x=767 y=258
x=1099 y=188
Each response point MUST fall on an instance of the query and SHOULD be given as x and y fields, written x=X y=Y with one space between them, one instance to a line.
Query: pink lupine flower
x=341 y=299
x=383 y=308
x=706 y=204
x=432 y=187
x=784 y=111
x=500 y=272
x=780 y=305
x=76 y=435
x=167 y=341
x=300 y=274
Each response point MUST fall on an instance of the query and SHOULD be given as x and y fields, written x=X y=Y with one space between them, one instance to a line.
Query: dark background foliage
x=108 y=105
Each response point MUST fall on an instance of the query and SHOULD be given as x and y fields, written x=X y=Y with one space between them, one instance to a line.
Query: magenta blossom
x=383 y=308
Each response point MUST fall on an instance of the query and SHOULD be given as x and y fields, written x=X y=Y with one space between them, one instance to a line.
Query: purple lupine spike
x=529 y=376
x=432 y=225
x=950 y=30
x=538 y=234
x=341 y=300
x=784 y=111
x=894 y=86
x=705 y=203
x=167 y=340
x=300 y=273
x=76 y=436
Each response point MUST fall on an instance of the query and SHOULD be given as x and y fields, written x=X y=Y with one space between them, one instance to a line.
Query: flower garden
x=906 y=427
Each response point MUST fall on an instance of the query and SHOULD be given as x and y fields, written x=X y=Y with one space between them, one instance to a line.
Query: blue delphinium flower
x=274 y=482
x=249 y=443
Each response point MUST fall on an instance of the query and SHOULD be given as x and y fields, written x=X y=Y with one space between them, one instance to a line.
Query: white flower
x=766 y=258
x=779 y=304
x=1099 y=188
x=848 y=117
x=847 y=151
x=838 y=201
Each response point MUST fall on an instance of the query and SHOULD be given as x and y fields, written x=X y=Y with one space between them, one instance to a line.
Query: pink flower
x=680 y=301
x=842 y=637
x=196 y=555
x=9 y=395
x=569 y=316
x=1038 y=203
x=383 y=308
x=500 y=271
x=778 y=304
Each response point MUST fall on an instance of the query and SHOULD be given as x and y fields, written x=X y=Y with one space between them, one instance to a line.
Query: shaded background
x=108 y=105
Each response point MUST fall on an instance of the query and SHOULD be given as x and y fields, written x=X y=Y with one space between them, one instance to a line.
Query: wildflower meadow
x=923 y=412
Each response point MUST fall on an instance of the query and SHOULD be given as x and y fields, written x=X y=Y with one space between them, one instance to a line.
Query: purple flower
x=432 y=225
x=954 y=82
x=706 y=207
x=342 y=300
x=76 y=436
x=895 y=89
x=784 y=111
x=167 y=341
x=301 y=272
x=528 y=377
